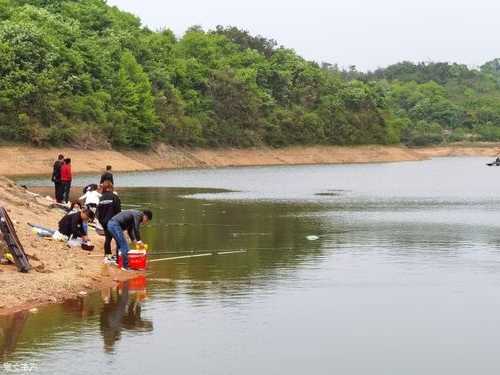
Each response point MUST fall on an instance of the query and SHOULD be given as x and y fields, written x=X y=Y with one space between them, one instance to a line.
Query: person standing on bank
x=109 y=206
x=56 y=178
x=108 y=175
x=131 y=221
x=66 y=178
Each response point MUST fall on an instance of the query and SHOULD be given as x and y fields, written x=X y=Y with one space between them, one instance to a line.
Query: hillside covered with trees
x=84 y=73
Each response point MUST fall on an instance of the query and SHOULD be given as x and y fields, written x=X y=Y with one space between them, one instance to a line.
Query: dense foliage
x=84 y=73
x=442 y=102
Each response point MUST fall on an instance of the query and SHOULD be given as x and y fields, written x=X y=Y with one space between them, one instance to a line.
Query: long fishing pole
x=163 y=252
x=198 y=255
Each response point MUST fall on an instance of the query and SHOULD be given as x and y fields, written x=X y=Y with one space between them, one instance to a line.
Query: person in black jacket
x=109 y=206
x=56 y=179
x=75 y=225
x=108 y=175
x=131 y=221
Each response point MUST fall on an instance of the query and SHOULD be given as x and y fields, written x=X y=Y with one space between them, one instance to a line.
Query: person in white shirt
x=91 y=199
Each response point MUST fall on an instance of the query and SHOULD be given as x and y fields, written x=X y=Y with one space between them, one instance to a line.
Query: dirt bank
x=58 y=272
x=479 y=149
x=22 y=160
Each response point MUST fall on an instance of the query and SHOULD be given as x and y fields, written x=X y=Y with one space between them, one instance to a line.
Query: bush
x=488 y=132
x=423 y=134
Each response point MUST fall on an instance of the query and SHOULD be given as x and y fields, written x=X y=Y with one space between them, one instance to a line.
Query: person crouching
x=74 y=228
x=131 y=221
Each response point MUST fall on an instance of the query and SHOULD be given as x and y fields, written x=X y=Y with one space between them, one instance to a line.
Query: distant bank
x=24 y=160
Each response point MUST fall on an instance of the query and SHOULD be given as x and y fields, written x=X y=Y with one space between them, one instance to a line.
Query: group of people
x=101 y=202
x=62 y=177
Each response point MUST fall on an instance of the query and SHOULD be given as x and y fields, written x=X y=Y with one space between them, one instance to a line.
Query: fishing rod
x=198 y=255
x=194 y=253
x=164 y=252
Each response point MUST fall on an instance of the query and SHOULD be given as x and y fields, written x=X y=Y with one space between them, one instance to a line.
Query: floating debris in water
x=34 y=310
x=312 y=238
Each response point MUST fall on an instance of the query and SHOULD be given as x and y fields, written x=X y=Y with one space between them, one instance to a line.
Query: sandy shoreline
x=17 y=161
x=60 y=273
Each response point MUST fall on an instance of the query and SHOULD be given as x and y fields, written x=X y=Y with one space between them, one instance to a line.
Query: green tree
x=134 y=119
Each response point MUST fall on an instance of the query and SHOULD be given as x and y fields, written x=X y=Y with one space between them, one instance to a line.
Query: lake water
x=404 y=277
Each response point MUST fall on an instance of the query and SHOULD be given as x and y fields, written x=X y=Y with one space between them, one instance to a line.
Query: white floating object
x=34 y=310
x=312 y=238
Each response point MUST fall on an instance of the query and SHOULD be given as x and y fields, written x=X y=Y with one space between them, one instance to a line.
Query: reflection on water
x=381 y=269
x=273 y=234
x=122 y=311
x=10 y=330
x=119 y=309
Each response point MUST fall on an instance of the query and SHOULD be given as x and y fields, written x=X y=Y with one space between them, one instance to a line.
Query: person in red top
x=66 y=178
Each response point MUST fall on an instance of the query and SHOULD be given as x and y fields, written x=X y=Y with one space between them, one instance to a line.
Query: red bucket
x=137 y=260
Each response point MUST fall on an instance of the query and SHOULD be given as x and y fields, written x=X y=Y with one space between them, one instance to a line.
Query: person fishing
x=131 y=221
x=56 y=179
x=495 y=163
x=109 y=206
x=66 y=178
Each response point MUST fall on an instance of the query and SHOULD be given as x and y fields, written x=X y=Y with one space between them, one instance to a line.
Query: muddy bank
x=58 y=272
x=22 y=160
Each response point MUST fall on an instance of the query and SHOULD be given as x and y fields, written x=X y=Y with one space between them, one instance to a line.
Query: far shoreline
x=19 y=161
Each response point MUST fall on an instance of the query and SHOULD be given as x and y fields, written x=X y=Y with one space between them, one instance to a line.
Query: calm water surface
x=404 y=277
